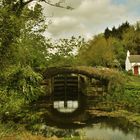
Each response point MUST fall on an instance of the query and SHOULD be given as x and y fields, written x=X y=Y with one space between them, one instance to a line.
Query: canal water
x=103 y=131
x=69 y=118
x=102 y=128
x=98 y=131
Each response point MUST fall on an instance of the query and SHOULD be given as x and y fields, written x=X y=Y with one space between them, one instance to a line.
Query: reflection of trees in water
x=137 y=132
x=52 y=131
x=64 y=133
x=121 y=124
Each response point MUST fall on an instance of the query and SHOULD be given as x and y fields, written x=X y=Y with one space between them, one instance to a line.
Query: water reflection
x=68 y=118
x=65 y=106
x=104 y=132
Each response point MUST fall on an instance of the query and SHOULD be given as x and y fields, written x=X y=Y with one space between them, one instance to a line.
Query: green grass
x=129 y=99
x=133 y=82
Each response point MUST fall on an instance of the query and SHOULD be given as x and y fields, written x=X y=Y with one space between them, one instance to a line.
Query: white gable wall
x=128 y=65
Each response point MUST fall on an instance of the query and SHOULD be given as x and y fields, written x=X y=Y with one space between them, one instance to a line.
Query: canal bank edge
x=132 y=118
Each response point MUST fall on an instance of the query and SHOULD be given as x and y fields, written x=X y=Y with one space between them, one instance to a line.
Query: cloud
x=89 y=17
x=61 y=23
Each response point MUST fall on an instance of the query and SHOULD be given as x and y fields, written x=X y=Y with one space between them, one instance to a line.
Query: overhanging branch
x=18 y=7
x=58 y=4
x=27 y=2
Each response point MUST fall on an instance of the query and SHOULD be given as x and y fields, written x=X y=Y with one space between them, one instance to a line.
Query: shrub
x=19 y=86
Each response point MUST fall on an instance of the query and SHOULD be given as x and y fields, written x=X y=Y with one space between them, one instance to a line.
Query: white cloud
x=88 y=18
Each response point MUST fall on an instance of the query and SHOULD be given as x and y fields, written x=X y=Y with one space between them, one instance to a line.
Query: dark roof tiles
x=134 y=58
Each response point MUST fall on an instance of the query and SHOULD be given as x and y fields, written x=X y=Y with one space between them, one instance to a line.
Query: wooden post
x=78 y=86
x=65 y=90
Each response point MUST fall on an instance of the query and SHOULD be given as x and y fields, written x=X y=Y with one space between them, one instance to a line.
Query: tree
x=64 y=51
x=15 y=16
x=97 y=52
x=117 y=32
x=22 y=46
x=107 y=33
x=114 y=32
x=131 y=40
x=119 y=52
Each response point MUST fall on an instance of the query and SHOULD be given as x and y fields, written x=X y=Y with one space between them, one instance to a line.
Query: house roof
x=134 y=58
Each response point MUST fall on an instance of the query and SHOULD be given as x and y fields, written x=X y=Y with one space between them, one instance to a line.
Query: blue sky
x=133 y=6
x=90 y=17
x=120 y=1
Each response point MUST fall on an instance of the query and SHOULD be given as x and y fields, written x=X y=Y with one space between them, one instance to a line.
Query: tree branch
x=27 y=2
x=21 y=4
x=58 y=4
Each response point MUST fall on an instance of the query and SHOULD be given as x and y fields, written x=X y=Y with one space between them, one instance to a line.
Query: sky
x=89 y=17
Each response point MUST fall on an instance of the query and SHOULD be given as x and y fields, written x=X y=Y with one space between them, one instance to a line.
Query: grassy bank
x=129 y=99
x=122 y=104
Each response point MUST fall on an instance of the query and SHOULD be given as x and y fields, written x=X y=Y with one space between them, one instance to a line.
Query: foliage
x=7 y=129
x=116 y=33
x=10 y=105
x=20 y=35
x=22 y=80
x=20 y=86
x=97 y=52
x=109 y=49
x=63 y=52
x=131 y=40
x=129 y=99
x=21 y=49
x=31 y=50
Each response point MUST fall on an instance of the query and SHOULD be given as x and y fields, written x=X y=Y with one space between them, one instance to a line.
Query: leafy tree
x=22 y=48
x=20 y=45
x=117 y=32
x=119 y=52
x=114 y=31
x=64 y=51
x=30 y=51
x=16 y=17
x=107 y=33
x=131 y=40
x=97 y=52
x=12 y=27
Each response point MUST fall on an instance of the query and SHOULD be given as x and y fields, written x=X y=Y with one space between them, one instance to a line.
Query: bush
x=22 y=80
x=19 y=86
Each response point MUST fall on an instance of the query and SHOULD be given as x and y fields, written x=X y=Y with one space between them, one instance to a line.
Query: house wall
x=128 y=65
x=133 y=64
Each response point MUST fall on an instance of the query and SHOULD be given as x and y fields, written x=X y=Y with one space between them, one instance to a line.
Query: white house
x=132 y=62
